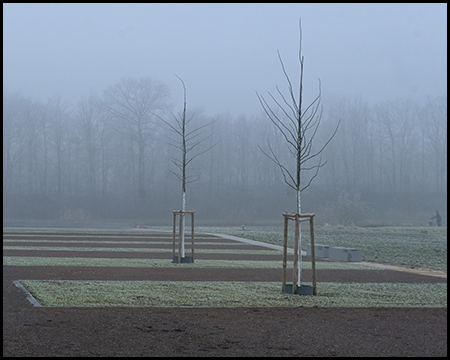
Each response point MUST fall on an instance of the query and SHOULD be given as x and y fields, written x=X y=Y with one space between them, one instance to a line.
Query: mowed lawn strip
x=75 y=233
x=49 y=242
x=117 y=262
x=126 y=235
x=198 y=250
x=234 y=294
x=411 y=246
x=203 y=293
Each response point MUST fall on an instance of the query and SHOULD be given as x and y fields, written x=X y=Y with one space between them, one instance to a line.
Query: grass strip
x=150 y=250
x=58 y=231
x=270 y=264
x=235 y=294
x=413 y=246
x=90 y=235
x=236 y=243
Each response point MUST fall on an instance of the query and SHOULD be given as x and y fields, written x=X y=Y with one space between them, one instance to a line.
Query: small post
x=181 y=237
x=192 y=234
x=296 y=251
x=313 y=254
x=174 y=233
x=285 y=236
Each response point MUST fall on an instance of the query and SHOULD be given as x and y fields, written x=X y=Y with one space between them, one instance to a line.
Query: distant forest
x=110 y=157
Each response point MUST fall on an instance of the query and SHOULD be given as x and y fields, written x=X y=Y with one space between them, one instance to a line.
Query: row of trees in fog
x=398 y=146
x=110 y=155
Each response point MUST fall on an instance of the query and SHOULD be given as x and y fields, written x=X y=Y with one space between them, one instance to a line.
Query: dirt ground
x=186 y=331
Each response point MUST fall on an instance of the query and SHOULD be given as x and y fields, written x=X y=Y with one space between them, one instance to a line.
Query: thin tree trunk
x=183 y=208
x=299 y=208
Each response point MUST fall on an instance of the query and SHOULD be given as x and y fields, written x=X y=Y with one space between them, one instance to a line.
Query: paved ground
x=300 y=331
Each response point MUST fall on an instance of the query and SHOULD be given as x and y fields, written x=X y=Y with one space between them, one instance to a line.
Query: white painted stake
x=299 y=208
x=183 y=208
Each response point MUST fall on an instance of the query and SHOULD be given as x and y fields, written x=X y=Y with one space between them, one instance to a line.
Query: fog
x=382 y=69
x=226 y=52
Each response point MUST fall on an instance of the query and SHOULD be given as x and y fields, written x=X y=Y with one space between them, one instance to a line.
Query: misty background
x=74 y=74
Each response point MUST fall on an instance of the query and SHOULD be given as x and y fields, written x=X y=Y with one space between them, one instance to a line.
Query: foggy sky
x=226 y=52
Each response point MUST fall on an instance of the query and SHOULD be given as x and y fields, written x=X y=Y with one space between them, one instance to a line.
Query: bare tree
x=89 y=112
x=434 y=127
x=12 y=148
x=298 y=126
x=188 y=142
x=133 y=102
x=59 y=122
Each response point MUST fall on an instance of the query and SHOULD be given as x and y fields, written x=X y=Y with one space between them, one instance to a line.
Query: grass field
x=253 y=264
x=411 y=246
x=231 y=293
x=415 y=247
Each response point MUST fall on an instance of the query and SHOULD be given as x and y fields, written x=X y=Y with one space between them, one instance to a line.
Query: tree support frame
x=182 y=213
x=297 y=252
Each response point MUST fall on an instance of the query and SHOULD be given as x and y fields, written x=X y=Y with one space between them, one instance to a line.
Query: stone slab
x=345 y=254
x=321 y=251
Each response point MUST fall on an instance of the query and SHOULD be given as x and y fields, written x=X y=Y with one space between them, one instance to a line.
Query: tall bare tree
x=90 y=112
x=58 y=111
x=298 y=126
x=12 y=108
x=188 y=141
x=434 y=125
x=133 y=103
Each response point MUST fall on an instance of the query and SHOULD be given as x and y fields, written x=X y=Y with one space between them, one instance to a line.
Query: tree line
x=109 y=157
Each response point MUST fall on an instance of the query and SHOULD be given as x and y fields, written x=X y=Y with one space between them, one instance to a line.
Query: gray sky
x=226 y=52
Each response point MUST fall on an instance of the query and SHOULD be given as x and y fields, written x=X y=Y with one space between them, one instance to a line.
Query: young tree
x=188 y=142
x=298 y=126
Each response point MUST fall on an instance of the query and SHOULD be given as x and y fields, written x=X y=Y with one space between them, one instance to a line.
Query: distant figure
x=438 y=218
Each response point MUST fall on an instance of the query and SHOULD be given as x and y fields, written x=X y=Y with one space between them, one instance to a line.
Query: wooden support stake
x=296 y=251
x=181 y=235
x=285 y=236
x=192 y=234
x=174 y=233
x=313 y=254
x=182 y=213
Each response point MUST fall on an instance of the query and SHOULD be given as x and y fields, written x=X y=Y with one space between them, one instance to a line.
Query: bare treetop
x=298 y=127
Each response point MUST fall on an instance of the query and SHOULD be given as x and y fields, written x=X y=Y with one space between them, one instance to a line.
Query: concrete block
x=345 y=254
x=301 y=290
x=184 y=260
x=321 y=251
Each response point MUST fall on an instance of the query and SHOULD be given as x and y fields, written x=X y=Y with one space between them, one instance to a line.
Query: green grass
x=214 y=294
x=117 y=262
x=410 y=246
x=69 y=232
x=149 y=250
x=127 y=242
x=421 y=247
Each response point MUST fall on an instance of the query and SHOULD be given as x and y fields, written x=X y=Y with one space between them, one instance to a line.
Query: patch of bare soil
x=33 y=331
